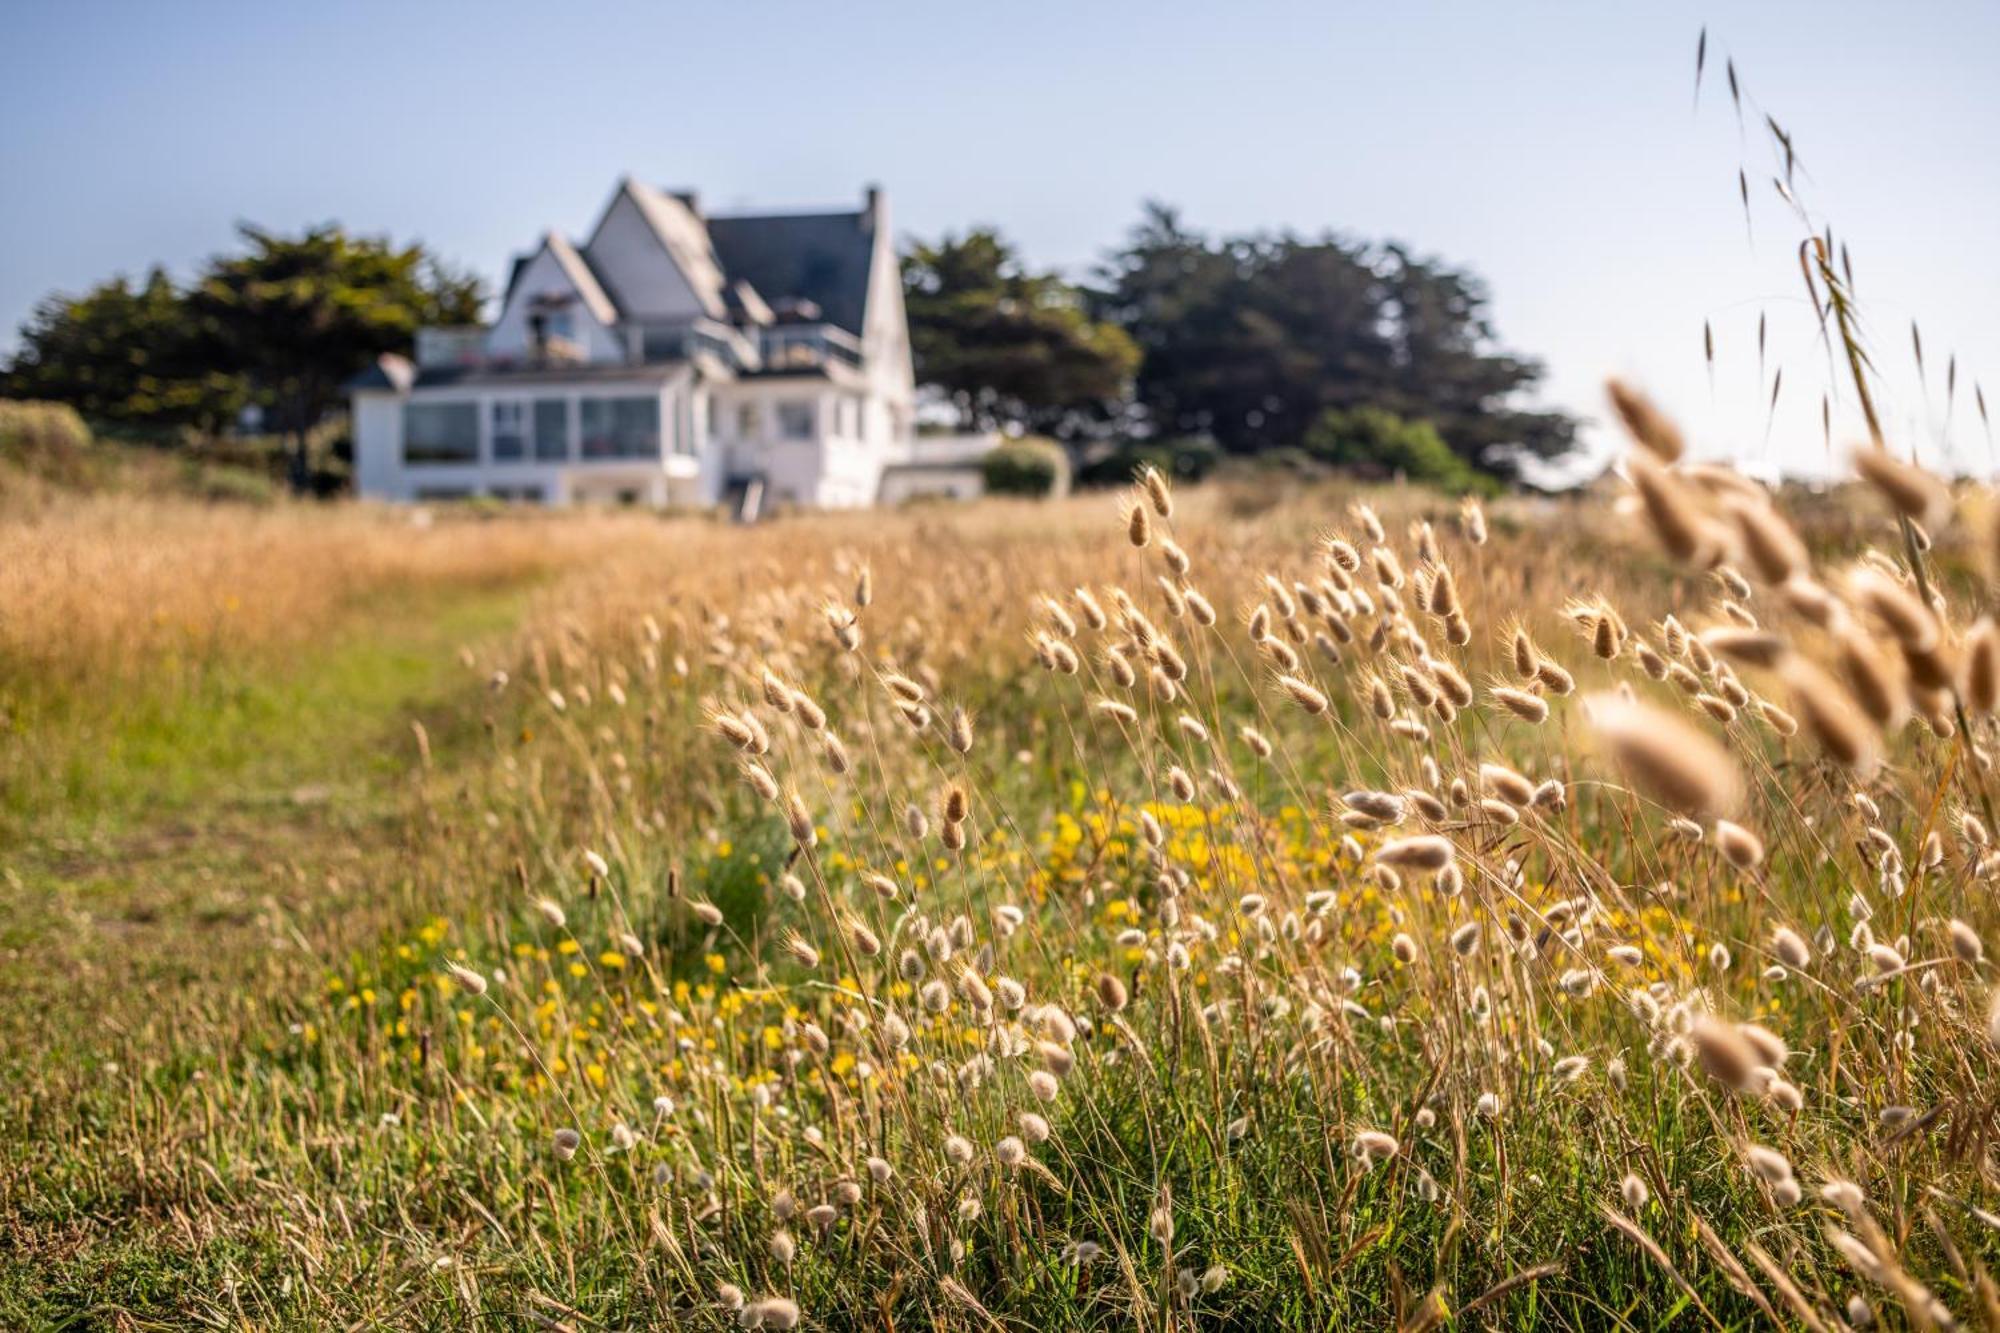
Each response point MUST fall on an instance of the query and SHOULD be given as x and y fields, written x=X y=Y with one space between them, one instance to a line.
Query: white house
x=673 y=359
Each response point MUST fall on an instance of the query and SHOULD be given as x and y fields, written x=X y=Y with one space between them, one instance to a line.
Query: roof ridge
x=650 y=201
x=787 y=214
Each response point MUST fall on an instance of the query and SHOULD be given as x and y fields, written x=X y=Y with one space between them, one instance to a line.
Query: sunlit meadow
x=1233 y=909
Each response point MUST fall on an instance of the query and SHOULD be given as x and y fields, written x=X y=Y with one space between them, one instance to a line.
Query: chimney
x=873 y=207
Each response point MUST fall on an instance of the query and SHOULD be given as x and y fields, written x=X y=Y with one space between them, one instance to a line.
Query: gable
x=825 y=258
x=554 y=272
x=654 y=257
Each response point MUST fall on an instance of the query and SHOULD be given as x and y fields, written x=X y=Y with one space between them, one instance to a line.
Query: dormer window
x=551 y=324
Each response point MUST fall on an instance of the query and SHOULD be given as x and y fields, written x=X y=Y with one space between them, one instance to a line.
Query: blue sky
x=1553 y=148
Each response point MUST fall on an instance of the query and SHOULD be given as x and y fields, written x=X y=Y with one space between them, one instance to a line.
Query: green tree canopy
x=300 y=316
x=1252 y=339
x=125 y=355
x=1008 y=346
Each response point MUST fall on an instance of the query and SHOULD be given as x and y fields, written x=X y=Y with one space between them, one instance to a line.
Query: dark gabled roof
x=819 y=257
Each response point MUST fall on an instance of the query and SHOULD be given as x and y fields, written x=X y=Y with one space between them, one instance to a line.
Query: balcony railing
x=462 y=345
x=783 y=347
x=809 y=346
x=649 y=344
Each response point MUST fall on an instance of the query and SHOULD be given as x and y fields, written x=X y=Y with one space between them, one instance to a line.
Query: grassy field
x=1248 y=908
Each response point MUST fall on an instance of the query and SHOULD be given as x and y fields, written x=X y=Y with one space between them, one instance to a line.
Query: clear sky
x=1553 y=148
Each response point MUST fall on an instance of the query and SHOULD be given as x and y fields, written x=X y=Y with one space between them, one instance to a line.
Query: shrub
x=1033 y=467
x=1181 y=460
x=231 y=485
x=42 y=433
x=1378 y=444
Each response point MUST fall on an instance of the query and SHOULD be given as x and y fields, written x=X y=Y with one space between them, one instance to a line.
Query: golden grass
x=972 y=915
x=111 y=587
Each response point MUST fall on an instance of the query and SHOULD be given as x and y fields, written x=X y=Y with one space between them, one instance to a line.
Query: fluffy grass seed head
x=1665 y=758
x=471 y=982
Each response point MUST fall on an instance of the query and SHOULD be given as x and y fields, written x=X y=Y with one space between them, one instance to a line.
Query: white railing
x=809 y=346
x=461 y=345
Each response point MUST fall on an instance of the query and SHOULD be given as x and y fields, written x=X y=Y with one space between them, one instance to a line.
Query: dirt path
x=225 y=831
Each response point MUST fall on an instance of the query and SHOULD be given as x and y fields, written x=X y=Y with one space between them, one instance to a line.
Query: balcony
x=653 y=344
x=781 y=347
x=463 y=345
x=809 y=347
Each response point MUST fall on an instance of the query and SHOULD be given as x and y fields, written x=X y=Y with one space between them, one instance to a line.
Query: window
x=551 y=430
x=748 y=423
x=516 y=494
x=795 y=420
x=663 y=343
x=552 y=324
x=442 y=494
x=700 y=421
x=686 y=431
x=441 y=433
x=621 y=428
x=510 y=439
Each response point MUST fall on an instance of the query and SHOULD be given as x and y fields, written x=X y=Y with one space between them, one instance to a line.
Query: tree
x=300 y=316
x=127 y=356
x=1010 y=347
x=1253 y=339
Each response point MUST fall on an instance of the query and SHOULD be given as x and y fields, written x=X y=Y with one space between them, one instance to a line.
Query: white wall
x=513 y=336
x=643 y=278
x=381 y=474
x=885 y=341
x=377 y=424
x=832 y=469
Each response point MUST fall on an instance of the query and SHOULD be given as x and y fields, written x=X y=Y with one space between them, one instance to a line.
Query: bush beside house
x=1036 y=468
x=1378 y=445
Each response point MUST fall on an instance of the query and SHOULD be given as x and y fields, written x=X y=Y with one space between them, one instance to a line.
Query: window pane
x=509 y=435
x=441 y=433
x=663 y=344
x=795 y=420
x=551 y=430
x=621 y=428
x=683 y=424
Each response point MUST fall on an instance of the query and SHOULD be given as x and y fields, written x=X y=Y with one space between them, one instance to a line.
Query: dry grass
x=112 y=588
x=853 y=913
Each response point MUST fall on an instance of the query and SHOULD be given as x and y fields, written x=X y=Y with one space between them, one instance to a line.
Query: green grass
x=246 y=1094
x=155 y=843
x=247 y=733
x=172 y=856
